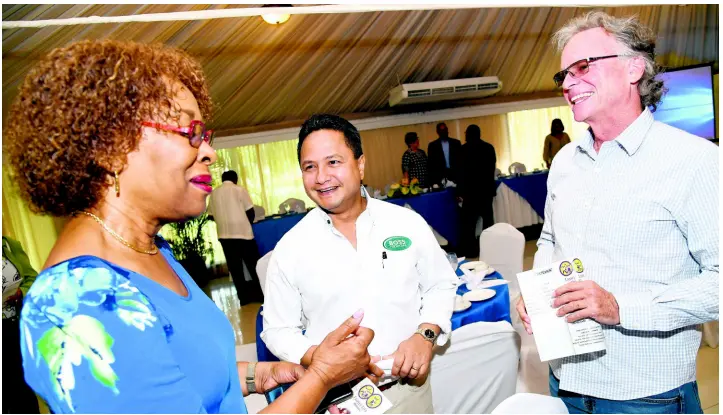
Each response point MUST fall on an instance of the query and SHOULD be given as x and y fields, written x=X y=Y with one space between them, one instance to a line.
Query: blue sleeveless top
x=99 y=338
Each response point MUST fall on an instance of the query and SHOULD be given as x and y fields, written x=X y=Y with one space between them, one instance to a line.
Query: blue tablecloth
x=532 y=187
x=495 y=309
x=269 y=231
x=439 y=209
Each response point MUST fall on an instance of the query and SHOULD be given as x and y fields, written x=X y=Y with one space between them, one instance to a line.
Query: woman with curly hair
x=112 y=135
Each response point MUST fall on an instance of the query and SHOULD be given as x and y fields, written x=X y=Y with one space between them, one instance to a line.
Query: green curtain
x=270 y=172
x=37 y=234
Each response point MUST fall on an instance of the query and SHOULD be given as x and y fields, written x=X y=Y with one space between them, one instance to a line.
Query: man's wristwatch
x=251 y=377
x=428 y=334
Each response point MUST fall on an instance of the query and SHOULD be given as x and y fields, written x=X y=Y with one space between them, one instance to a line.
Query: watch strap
x=251 y=377
x=421 y=333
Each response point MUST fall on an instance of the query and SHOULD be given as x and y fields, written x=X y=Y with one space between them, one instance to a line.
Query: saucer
x=479 y=295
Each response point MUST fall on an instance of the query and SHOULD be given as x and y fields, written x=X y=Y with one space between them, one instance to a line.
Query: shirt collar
x=629 y=140
x=371 y=202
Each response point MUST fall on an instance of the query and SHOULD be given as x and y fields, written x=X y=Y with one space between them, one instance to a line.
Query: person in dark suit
x=443 y=157
x=477 y=188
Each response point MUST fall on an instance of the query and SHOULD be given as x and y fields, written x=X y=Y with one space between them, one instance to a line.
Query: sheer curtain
x=527 y=132
x=270 y=172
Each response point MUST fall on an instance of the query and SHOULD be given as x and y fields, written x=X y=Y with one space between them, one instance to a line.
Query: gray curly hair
x=636 y=39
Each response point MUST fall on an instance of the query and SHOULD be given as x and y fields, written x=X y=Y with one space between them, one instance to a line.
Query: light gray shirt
x=643 y=216
x=445 y=150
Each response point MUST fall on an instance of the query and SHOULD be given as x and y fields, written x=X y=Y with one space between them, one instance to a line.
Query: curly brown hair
x=79 y=112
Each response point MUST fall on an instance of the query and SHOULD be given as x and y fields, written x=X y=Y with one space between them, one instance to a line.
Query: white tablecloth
x=476 y=370
x=510 y=207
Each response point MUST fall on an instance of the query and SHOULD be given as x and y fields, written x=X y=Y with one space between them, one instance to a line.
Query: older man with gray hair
x=637 y=201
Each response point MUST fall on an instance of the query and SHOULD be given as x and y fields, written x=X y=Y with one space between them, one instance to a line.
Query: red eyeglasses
x=196 y=132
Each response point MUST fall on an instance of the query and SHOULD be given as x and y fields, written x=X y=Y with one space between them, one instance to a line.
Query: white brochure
x=556 y=338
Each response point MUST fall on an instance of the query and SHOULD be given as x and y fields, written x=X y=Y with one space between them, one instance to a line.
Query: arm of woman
x=92 y=345
x=406 y=161
x=341 y=357
x=546 y=151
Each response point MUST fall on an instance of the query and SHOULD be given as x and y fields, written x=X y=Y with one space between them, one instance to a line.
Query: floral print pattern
x=68 y=336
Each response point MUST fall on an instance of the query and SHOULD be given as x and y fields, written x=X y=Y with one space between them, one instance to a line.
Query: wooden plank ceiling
x=263 y=75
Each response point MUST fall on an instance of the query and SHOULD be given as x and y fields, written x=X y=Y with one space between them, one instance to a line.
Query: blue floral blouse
x=99 y=338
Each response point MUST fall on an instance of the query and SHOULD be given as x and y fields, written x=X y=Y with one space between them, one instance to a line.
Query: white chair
x=476 y=369
x=259 y=213
x=530 y=403
x=498 y=173
x=292 y=205
x=261 y=266
x=533 y=375
x=503 y=247
x=517 y=167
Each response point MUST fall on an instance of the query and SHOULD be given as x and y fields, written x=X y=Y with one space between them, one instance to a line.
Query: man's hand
x=586 y=299
x=522 y=311
x=272 y=374
x=411 y=360
x=342 y=356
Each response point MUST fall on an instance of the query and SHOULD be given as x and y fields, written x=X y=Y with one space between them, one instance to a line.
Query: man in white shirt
x=354 y=252
x=637 y=201
x=231 y=208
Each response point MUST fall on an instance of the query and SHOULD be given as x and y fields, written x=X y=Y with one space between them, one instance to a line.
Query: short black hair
x=229 y=175
x=335 y=123
x=558 y=122
x=473 y=131
x=441 y=124
x=410 y=137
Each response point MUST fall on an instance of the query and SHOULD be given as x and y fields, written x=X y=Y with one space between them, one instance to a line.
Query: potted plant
x=190 y=248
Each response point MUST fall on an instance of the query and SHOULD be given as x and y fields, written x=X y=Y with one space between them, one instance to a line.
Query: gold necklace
x=120 y=239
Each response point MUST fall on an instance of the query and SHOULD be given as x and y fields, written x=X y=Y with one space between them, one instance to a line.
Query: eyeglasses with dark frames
x=579 y=68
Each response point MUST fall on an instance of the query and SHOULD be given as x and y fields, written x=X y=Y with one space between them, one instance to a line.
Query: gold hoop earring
x=116 y=183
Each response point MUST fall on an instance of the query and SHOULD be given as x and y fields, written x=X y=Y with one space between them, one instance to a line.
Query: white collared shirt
x=228 y=205
x=642 y=214
x=316 y=280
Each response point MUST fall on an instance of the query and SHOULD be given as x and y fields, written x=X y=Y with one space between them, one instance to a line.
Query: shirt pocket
x=400 y=278
x=635 y=225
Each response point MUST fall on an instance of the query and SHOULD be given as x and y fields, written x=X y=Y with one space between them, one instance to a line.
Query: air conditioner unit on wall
x=444 y=90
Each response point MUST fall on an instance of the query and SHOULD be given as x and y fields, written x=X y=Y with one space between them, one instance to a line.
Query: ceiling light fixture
x=276 y=18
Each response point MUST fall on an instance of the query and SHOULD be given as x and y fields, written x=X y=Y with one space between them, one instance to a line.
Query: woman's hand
x=342 y=356
x=272 y=374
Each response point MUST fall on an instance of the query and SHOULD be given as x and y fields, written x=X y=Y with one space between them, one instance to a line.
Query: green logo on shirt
x=397 y=243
